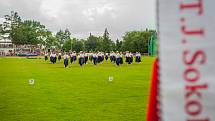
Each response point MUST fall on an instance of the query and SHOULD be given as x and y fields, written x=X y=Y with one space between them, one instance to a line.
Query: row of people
x=96 y=58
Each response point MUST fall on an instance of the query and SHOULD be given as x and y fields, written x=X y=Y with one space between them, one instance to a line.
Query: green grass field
x=75 y=93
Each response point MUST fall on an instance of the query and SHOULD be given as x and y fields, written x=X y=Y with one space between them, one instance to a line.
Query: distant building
x=6 y=46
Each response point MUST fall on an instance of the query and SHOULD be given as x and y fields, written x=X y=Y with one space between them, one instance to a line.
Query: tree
x=51 y=41
x=74 y=44
x=60 y=37
x=67 y=34
x=136 y=41
x=11 y=22
x=63 y=36
x=77 y=45
x=29 y=32
x=67 y=45
x=92 y=43
x=118 y=45
x=107 y=43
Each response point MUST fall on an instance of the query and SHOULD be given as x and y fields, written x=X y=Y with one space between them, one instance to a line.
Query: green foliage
x=11 y=22
x=78 y=45
x=107 y=45
x=29 y=32
x=63 y=37
x=118 y=45
x=67 y=45
x=93 y=43
x=25 y=32
x=74 y=45
x=136 y=41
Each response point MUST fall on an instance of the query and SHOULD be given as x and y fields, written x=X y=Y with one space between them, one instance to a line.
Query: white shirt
x=113 y=54
x=65 y=56
x=117 y=55
x=81 y=56
x=130 y=54
x=138 y=55
x=95 y=55
x=54 y=55
x=127 y=55
x=85 y=55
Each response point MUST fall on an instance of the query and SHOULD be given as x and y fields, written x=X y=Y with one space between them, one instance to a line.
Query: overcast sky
x=84 y=16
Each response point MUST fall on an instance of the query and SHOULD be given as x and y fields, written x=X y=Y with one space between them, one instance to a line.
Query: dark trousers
x=106 y=57
x=65 y=62
x=81 y=61
x=94 y=61
x=46 y=58
x=138 y=59
x=129 y=60
x=59 y=58
x=85 y=60
x=117 y=61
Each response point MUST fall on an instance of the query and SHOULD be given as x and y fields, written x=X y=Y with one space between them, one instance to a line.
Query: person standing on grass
x=117 y=58
x=91 y=56
x=59 y=57
x=71 y=57
x=131 y=57
x=127 y=57
x=51 y=58
x=54 y=58
x=81 y=58
x=46 y=56
x=74 y=56
x=103 y=56
x=85 y=57
x=66 y=61
x=95 y=58
x=99 y=57
x=138 y=57
x=106 y=56
x=121 y=58
x=112 y=57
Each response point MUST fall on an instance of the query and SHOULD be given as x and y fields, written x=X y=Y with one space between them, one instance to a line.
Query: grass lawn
x=75 y=93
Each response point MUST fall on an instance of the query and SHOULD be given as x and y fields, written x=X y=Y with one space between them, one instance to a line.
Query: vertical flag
x=187 y=60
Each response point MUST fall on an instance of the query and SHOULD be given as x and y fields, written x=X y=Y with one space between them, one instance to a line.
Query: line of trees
x=31 y=32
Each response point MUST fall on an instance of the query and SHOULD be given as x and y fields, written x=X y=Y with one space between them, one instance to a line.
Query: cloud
x=84 y=16
x=100 y=11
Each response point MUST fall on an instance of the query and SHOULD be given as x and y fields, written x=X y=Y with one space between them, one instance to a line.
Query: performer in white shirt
x=81 y=58
x=138 y=57
x=46 y=56
x=66 y=61
x=127 y=57
x=117 y=58
x=74 y=57
x=54 y=58
x=95 y=58
x=71 y=57
x=130 y=58
x=106 y=56
x=85 y=57
x=59 y=57
x=91 y=56
x=121 y=58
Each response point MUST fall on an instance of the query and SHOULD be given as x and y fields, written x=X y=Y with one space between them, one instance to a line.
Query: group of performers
x=94 y=57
